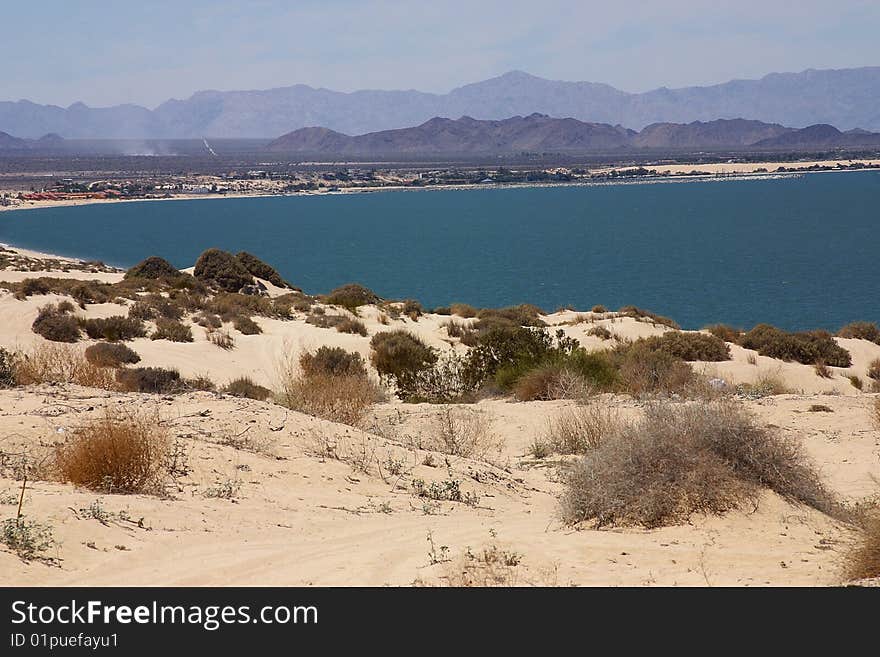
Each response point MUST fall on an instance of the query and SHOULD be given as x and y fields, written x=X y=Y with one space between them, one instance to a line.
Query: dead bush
x=60 y=363
x=221 y=339
x=677 y=460
x=554 y=380
x=578 y=430
x=463 y=310
x=111 y=354
x=120 y=452
x=463 y=432
x=863 y=561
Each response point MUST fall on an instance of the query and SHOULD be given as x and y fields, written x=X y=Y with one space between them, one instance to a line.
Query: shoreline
x=677 y=173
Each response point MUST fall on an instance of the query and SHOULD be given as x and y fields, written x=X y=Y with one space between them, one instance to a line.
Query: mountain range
x=846 y=98
x=539 y=133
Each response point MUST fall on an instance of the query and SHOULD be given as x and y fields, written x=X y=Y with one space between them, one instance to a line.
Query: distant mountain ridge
x=846 y=98
x=46 y=142
x=539 y=133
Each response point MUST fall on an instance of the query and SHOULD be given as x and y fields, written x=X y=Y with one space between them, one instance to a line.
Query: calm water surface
x=797 y=252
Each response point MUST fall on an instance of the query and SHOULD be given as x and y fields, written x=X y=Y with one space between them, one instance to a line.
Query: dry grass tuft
x=706 y=457
x=61 y=363
x=343 y=398
x=875 y=414
x=120 y=452
x=463 y=432
x=577 y=430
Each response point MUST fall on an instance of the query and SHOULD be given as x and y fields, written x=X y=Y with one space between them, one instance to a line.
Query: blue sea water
x=798 y=252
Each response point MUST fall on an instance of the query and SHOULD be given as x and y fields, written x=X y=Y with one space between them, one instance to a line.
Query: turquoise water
x=799 y=252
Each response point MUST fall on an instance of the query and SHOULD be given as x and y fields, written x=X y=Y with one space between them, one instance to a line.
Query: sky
x=105 y=53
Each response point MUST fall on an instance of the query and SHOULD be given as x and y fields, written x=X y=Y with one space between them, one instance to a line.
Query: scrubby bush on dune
x=341 y=323
x=246 y=326
x=154 y=380
x=683 y=459
x=874 y=369
x=563 y=374
x=56 y=323
x=412 y=309
x=221 y=339
x=400 y=354
x=644 y=370
x=600 y=332
x=114 y=328
x=222 y=270
x=862 y=331
x=333 y=361
x=316 y=389
x=208 y=321
x=724 y=332
x=169 y=329
x=154 y=306
x=806 y=347
x=522 y=315
x=577 y=430
x=229 y=305
x=260 y=269
x=7 y=369
x=876 y=414
x=863 y=561
x=245 y=387
x=117 y=453
x=60 y=363
x=351 y=296
x=690 y=346
x=448 y=381
x=111 y=354
x=154 y=268
x=642 y=314
x=599 y=309
x=463 y=310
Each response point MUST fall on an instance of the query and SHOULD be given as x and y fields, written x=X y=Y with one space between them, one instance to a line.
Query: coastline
x=677 y=173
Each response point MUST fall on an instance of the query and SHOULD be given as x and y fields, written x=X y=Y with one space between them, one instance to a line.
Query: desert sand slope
x=262 y=495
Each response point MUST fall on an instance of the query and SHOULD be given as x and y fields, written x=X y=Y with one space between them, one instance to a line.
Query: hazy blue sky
x=101 y=52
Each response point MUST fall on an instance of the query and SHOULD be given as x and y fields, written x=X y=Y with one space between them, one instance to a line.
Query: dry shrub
x=861 y=330
x=153 y=306
x=863 y=562
x=578 y=430
x=766 y=384
x=600 y=332
x=120 y=452
x=875 y=413
x=646 y=371
x=823 y=371
x=333 y=361
x=463 y=310
x=115 y=328
x=874 y=369
x=60 y=363
x=683 y=459
x=352 y=296
x=343 y=398
x=648 y=316
x=111 y=354
x=491 y=566
x=7 y=369
x=599 y=308
x=554 y=380
x=856 y=382
x=351 y=325
x=221 y=339
x=724 y=332
x=463 y=432
x=244 y=387
x=55 y=323
x=690 y=346
x=208 y=320
x=169 y=329
x=154 y=380
x=246 y=326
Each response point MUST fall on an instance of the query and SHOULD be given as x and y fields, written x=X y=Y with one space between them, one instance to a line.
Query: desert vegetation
x=806 y=347
x=111 y=354
x=862 y=331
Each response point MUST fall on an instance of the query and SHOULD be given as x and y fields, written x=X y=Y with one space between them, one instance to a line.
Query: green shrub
x=647 y=371
x=333 y=361
x=690 y=346
x=155 y=380
x=222 y=270
x=399 y=354
x=229 y=305
x=55 y=323
x=260 y=269
x=245 y=387
x=169 y=329
x=862 y=331
x=447 y=381
x=806 y=347
x=352 y=296
x=246 y=326
x=114 y=328
x=154 y=268
x=111 y=354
